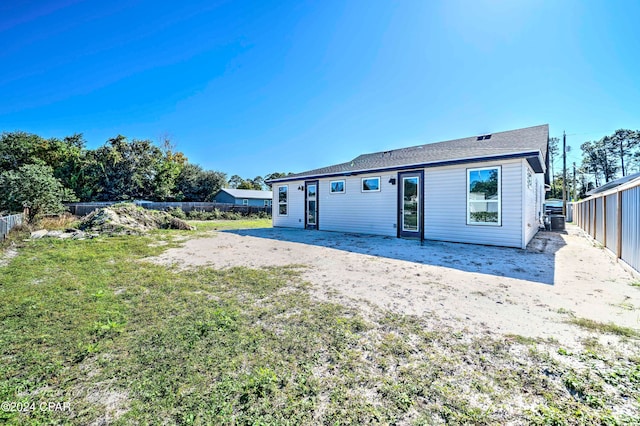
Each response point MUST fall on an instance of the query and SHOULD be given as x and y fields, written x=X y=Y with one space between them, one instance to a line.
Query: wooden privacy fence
x=613 y=219
x=9 y=222
x=81 y=209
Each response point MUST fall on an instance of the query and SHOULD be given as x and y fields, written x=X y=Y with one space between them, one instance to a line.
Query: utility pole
x=575 y=188
x=564 y=173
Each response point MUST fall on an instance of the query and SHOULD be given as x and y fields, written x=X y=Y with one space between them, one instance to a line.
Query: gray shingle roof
x=521 y=141
x=248 y=193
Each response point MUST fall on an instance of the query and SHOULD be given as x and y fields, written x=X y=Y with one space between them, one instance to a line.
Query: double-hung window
x=483 y=196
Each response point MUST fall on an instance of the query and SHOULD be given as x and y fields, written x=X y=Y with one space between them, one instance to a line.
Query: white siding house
x=485 y=189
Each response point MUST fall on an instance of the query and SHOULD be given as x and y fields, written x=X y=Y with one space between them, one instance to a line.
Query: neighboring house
x=486 y=189
x=244 y=197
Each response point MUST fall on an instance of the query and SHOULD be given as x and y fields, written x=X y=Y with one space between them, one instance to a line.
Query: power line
x=592 y=133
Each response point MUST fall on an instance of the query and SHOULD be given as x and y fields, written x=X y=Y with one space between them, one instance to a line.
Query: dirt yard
x=530 y=293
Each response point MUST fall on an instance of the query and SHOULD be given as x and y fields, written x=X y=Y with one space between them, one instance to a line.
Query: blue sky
x=254 y=87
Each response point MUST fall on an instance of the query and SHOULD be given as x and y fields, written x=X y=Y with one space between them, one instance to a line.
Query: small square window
x=245 y=202
x=371 y=184
x=337 y=186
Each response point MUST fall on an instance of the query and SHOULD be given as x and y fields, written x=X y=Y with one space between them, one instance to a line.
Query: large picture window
x=283 y=200
x=371 y=184
x=483 y=196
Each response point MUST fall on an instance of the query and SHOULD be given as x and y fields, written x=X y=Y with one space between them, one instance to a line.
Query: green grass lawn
x=121 y=340
x=219 y=225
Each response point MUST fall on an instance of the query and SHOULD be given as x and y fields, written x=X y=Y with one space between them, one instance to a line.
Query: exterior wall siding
x=254 y=202
x=295 y=207
x=534 y=197
x=446 y=206
x=357 y=211
x=223 y=197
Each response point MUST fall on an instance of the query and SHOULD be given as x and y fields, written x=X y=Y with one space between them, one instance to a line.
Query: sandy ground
x=7 y=255
x=478 y=288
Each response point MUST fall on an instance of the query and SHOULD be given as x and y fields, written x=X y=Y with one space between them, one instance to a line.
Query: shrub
x=203 y=215
x=33 y=186
x=216 y=214
x=177 y=212
x=231 y=215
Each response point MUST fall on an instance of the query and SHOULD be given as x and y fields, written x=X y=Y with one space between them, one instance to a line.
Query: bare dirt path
x=481 y=289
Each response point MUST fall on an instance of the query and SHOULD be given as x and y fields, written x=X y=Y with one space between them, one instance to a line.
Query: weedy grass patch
x=126 y=341
x=601 y=327
x=221 y=225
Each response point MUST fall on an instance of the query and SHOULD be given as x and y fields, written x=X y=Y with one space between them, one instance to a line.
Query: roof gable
x=248 y=193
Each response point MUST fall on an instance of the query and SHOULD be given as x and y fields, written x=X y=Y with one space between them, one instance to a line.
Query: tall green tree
x=624 y=143
x=235 y=181
x=135 y=169
x=210 y=182
x=195 y=184
x=275 y=175
x=33 y=186
x=169 y=168
x=258 y=183
x=187 y=186
x=255 y=184
x=599 y=160
x=66 y=156
x=553 y=154
x=18 y=149
x=606 y=156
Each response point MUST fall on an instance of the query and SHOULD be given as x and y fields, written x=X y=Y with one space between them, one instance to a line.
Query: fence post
x=589 y=219
x=604 y=220
x=619 y=245
x=581 y=212
x=595 y=218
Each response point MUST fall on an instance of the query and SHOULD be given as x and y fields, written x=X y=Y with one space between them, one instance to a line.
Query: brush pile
x=129 y=219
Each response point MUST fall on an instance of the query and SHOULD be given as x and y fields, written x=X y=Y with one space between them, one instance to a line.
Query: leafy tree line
x=257 y=183
x=604 y=160
x=44 y=173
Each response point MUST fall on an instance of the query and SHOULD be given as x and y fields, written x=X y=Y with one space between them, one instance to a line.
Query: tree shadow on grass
x=535 y=264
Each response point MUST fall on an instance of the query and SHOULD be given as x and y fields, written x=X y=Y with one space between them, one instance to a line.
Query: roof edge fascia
x=508 y=156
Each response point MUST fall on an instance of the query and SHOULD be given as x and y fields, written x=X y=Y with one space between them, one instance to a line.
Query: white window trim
x=344 y=186
x=245 y=201
x=369 y=178
x=286 y=203
x=498 y=201
x=267 y=203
